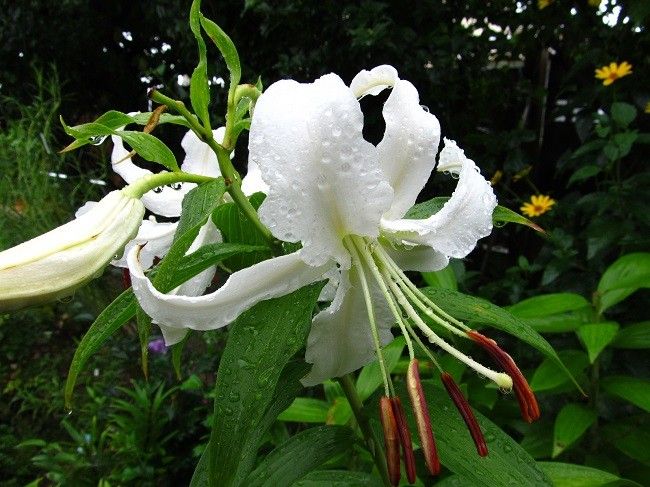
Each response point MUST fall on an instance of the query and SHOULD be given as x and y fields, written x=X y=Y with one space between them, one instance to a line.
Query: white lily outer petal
x=307 y=140
x=407 y=152
x=199 y=283
x=155 y=237
x=199 y=157
x=243 y=289
x=340 y=340
x=374 y=81
x=52 y=265
x=253 y=183
x=165 y=200
x=419 y=258
x=462 y=221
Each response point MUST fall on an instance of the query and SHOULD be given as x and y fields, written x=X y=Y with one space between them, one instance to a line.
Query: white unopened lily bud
x=54 y=264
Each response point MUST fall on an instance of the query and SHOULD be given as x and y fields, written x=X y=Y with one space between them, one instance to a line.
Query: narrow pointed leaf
x=260 y=343
x=631 y=389
x=226 y=47
x=571 y=423
x=301 y=454
x=625 y=276
x=199 y=87
x=636 y=336
x=478 y=310
x=596 y=336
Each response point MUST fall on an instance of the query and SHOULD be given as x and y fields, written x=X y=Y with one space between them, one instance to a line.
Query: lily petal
x=155 y=239
x=407 y=153
x=165 y=200
x=199 y=157
x=307 y=140
x=340 y=340
x=253 y=183
x=462 y=221
x=243 y=289
x=199 y=283
x=419 y=258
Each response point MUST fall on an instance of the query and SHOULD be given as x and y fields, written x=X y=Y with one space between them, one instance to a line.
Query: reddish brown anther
x=466 y=412
x=404 y=439
x=422 y=419
x=527 y=401
x=391 y=439
x=126 y=279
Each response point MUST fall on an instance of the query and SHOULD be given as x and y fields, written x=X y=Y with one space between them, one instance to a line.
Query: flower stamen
x=525 y=396
x=422 y=418
x=391 y=439
x=466 y=412
x=404 y=438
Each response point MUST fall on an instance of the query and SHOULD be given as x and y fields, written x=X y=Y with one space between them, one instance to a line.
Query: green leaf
x=591 y=146
x=300 y=455
x=569 y=475
x=625 y=276
x=571 y=423
x=548 y=304
x=507 y=462
x=149 y=148
x=445 y=278
x=236 y=228
x=197 y=207
x=503 y=215
x=260 y=343
x=631 y=389
x=370 y=377
x=500 y=216
x=635 y=336
x=226 y=47
x=337 y=478
x=143 y=323
x=596 y=336
x=585 y=172
x=306 y=410
x=199 y=87
x=477 y=310
x=123 y=308
x=623 y=113
x=630 y=436
x=548 y=375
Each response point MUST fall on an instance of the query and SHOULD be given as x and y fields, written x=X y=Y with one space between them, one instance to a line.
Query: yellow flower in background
x=594 y=3
x=611 y=73
x=538 y=205
x=647 y=107
x=543 y=3
x=499 y=174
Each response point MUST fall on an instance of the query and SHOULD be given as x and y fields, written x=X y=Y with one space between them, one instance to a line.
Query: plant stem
x=232 y=178
x=151 y=181
x=372 y=442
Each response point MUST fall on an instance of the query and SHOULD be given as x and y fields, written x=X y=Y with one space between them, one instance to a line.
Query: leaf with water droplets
x=507 y=463
x=251 y=367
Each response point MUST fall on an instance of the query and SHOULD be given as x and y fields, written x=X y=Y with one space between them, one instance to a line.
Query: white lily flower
x=54 y=264
x=344 y=199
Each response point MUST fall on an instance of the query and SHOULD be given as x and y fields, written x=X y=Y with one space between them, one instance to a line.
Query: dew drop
x=158 y=190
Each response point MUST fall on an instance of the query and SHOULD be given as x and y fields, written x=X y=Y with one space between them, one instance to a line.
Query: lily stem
x=372 y=442
x=151 y=181
x=231 y=176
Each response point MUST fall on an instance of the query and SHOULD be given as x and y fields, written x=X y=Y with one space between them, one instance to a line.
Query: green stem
x=372 y=442
x=151 y=181
x=232 y=178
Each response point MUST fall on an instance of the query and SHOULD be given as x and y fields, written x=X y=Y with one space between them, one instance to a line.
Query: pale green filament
x=388 y=386
x=502 y=380
x=360 y=243
x=386 y=259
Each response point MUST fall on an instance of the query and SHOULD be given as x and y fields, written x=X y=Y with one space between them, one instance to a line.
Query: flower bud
x=391 y=439
x=525 y=396
x=422 y=419
x=54 y=264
